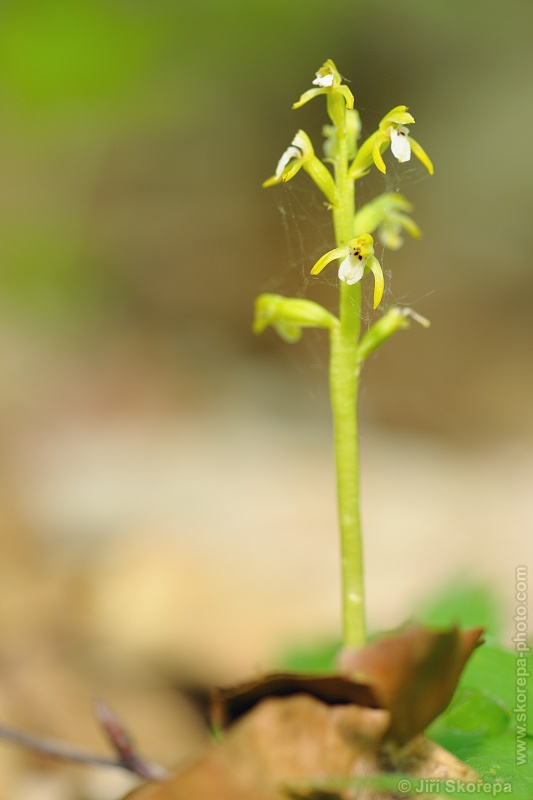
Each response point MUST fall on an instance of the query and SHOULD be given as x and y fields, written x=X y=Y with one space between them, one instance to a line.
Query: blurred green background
x=134 y=140
x=165 y=476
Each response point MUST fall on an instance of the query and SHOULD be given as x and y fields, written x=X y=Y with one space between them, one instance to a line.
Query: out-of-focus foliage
x=134 y=137
x=59 y=53
x=466 y=604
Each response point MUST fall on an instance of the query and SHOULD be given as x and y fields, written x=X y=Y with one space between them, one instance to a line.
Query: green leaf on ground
x=465 y=605
x=489 y=723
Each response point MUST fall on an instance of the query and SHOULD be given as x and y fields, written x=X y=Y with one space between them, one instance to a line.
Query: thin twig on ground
x=54 y=748
x=122 y=743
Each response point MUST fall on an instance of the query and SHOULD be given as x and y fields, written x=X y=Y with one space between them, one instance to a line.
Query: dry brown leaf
x=282 y=741
x=285 y=745
x=228 y=704
x=413 y=673
x=292 y=730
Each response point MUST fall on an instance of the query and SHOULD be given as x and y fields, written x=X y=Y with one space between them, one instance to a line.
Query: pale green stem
x=344 y=382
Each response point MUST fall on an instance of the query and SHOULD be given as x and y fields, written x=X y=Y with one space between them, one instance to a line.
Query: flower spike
x=358 y=256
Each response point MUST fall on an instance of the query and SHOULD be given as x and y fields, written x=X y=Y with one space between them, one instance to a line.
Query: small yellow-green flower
x=288 y=315
x=328 y=81
x=297 y=153
x=357 y=257
x=300 y=154
x=389 y=213
x=394 y=320
x=392 y=131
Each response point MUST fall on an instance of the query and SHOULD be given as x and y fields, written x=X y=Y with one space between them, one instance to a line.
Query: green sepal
x=366 y=155
x=336 y=108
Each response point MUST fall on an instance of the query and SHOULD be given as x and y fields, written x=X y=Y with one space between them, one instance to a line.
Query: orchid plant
x=388 y=217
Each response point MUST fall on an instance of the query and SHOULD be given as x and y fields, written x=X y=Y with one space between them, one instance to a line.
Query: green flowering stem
x=344 y=372
x=344 y=383
x=355 y=251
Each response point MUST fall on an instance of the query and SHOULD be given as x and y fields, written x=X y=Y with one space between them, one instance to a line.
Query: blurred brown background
x=166 y=477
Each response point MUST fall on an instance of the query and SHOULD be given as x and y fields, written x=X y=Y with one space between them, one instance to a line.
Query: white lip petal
x=351 y=269
x=399 y=143
x=323 y=80
x=290 y=153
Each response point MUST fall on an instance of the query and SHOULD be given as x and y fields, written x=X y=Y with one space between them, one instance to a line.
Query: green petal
x=271 y=182
x=307 y=96
x=398 y=116
x=348 y=96
x=363 y=159
x=408 y=224
x=368 y=218
x=289 y=333
x=289 y=172
x=376 y=154
x=396 y=201
x=339 y=252
x=422 y=156
x=379 y=282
